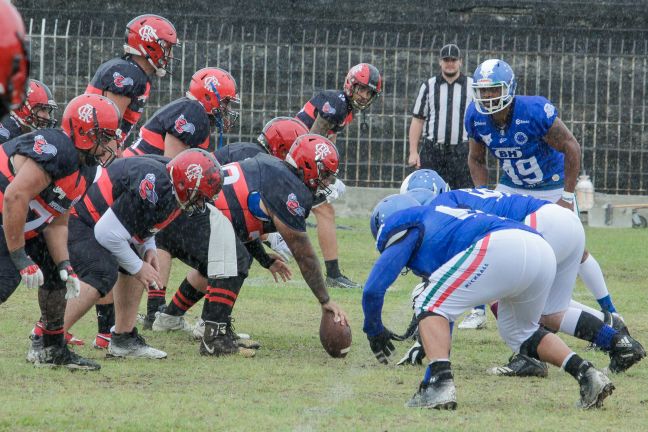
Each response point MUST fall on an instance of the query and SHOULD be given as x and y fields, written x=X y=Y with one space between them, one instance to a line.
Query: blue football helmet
x=422 y=195
x=493 y=74
x=425 y=179
x=387 y=207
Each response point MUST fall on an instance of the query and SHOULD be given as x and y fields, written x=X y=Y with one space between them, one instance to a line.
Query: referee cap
x=450 y=51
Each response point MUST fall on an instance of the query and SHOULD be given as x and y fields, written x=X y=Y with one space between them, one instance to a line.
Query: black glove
x=382 y=345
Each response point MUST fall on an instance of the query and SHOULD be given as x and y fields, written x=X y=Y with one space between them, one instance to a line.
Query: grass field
x=293 y=385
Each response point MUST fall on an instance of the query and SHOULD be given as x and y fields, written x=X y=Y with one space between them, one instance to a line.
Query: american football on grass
x=335 y=338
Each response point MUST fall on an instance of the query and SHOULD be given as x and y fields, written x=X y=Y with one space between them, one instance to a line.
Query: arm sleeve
x=111 y=234
x=383 y=274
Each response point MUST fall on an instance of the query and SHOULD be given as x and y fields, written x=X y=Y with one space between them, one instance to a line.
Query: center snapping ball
x=335 y=338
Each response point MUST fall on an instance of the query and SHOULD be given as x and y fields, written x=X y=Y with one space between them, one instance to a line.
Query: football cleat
x=165 y=322
x=219 y=341
x=35 y=348
x=132 y=345
x=594 y=386
x=520 y=365
x=146 y=321
x=102 y=341
x=341 y=282
x=61 y=356
x=475 y=320
x=438 y=395
x=625 y=352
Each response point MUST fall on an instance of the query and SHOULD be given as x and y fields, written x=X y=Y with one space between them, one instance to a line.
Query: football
x=335 y=338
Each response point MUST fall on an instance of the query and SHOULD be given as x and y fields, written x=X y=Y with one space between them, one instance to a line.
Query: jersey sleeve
x=189 y=123
x=288 y=202
x=421 y=109
x=544 y=114
x=469 y=124
x=331 y=107
x=49 y=151
x=383 y=274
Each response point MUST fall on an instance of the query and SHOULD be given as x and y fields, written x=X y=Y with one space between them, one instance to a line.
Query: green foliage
x=293 y=385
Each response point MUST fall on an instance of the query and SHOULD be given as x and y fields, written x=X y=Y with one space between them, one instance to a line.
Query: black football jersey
x=183 y=118
x=9 y=129
x=138 y=190
x=236 y=152
x=55 y=153
x=331 y=105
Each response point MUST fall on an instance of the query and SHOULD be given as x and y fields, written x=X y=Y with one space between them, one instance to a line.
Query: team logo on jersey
x=194 y=172
x=321 y=151
x=86 y=113
x=550 y=110
x=4 y=131
x=521 y=138
x=58 y=190
x=479 y=123
x=520 y=121
x=147 y=188
x=508 y=153
x=211 y=83
x=487 y=139
x=148 y=34
x=327 y=108
x=182 y=125
x=294 y=207
x=41 y=146
x=121 y=81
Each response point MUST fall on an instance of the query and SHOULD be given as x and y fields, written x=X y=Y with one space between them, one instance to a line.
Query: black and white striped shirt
x=444 y=106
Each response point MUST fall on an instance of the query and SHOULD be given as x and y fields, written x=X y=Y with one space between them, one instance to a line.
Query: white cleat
x=475 y=320
x=165 y=322
x=132 y=345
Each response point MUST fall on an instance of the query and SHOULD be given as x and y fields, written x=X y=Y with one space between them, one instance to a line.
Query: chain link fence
x=598 y=83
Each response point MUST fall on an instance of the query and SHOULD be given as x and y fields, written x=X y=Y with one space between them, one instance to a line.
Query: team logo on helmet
x=487 y=70
x=147 y=188
x=549 y=109
x=182 y=125
x=41 y=146
x=356 y=69
x=86 y=113
x=194 y=172
x=321 y=151
x=4 y=132
x=148 y=34
x=294 y=207
x=121 y=81
x=211 y=82
x=327 y=108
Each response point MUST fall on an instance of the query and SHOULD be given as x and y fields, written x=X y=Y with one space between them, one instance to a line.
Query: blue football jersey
x=527 y=161
x=444 y=232
x=516 y=207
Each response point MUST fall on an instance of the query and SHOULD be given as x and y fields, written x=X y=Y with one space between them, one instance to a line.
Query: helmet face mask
x=493 y=86
x=364 y=78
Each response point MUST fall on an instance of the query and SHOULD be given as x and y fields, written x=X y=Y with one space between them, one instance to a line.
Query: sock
x=574 y=363
x=105 y=317
x=592 y=329
x=440 y=368
x=481 y=307
x=592 y=275
x=332 y=268
x=183 y=299
x=220 y=298
x=606 y=304
x=53 y=336
x=451 y=324
x=570 y=321
x=155 y=301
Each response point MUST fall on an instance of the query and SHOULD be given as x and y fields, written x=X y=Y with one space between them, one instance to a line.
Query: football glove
x=382 y=346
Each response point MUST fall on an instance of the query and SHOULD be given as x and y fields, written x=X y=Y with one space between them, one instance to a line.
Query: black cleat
x=625 y=352
x=341 y=282
x=520 y=365
x=61 y=356
x=219 y=340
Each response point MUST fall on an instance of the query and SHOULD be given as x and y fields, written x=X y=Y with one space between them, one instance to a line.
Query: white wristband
x=568 y=196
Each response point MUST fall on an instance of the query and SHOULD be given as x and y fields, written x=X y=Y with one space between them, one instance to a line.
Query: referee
x=438 y=115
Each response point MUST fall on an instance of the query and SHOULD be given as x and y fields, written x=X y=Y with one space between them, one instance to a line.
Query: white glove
x=278 y=244
x=414 y=355
x=337 y=190
x=32 y=276
x=72 y=282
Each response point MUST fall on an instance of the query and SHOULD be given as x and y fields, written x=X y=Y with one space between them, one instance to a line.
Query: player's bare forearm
x=321 y=126
x=477 y=163
x=560 y=137
x=56 y=238
x=309 y=264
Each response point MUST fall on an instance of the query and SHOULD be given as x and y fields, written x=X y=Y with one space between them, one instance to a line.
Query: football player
x=538 y=154
x=327 y=113
x=126 y=80
x=42 y=175
x=561 y=228
x=260 y=194
x=37 y=112
x=113 y=227
x=468 y=258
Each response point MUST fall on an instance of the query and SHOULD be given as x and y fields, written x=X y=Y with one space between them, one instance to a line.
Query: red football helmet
x=197 y=177
x=366 y=75
x=153 y=38
x=316 y=159
x=39 y=98
x=92 y=122
x=215 y=89
x=14 y=59
x=280 y=133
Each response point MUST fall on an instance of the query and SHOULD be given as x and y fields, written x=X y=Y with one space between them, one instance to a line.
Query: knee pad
x=530 y=346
